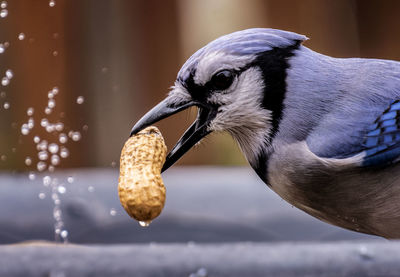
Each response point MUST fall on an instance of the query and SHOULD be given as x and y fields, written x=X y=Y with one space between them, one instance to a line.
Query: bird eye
x=222 y=80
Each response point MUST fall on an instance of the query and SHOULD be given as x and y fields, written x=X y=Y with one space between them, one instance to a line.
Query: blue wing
x=382 y=140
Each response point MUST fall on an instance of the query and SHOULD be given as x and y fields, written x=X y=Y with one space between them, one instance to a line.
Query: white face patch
x=240 y=113
x=217 y=61
x=179 y=94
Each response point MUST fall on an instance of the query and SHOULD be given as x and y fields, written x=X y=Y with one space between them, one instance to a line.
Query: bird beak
x=197 y=131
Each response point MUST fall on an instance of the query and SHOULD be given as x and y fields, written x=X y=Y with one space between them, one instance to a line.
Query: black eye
x=222 y=80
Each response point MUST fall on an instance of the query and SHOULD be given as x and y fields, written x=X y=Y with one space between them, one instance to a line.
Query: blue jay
x=322 y=132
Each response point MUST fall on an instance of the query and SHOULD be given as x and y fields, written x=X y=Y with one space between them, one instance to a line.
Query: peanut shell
x=140 y=186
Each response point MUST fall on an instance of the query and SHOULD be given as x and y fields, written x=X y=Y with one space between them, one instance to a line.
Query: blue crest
x=245 y=42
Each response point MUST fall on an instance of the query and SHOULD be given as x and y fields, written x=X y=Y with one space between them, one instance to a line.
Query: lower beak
x=198 y=130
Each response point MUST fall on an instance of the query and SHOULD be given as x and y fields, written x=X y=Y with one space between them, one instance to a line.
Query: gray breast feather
x=338 y=191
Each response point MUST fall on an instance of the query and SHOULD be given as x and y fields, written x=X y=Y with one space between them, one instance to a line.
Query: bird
x=322 y=132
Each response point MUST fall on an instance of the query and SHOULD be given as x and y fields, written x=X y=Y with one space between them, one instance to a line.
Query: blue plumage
x=246 y=42
x=382 y=142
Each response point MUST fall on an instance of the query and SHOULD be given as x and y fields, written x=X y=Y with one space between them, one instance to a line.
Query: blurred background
x=121 y=57
x=77 y=74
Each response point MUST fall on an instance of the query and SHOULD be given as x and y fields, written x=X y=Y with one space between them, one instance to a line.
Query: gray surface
x=352 y=259
x=203 y=205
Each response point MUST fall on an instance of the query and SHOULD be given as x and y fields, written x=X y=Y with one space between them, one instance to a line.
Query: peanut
x=140 y=186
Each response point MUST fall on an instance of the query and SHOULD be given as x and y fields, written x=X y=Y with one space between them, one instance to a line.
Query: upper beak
x=197 y=131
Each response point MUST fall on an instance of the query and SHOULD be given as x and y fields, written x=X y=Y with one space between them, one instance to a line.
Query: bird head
x=237 y=82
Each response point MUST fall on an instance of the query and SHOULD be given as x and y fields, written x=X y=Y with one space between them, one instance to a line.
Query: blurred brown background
x=122 y=56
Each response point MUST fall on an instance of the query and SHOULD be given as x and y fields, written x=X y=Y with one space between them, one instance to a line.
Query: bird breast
x=338 y=191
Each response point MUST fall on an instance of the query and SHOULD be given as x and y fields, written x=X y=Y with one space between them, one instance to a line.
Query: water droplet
x=5 y=81
x=6 y=44
x=59 y=126
x=44 y=122
x=42 y=145
x=3 y=94
x=80 y=100
x=47 y=110
x=52 y=103
x=90 y=189
x=30 y=111
x=113 y=164
x=3 y=13
x=55 y=90
x=113 y=212
x=63 y=138
x=55 y=53
x=52 y=3
x=21 y=36
x=53 y=148
x=61 y=189
x=50 y=128
x=54 y=196
x=36 y=139
x=85 y=127
x=76 y=136
x=64 y=153
x=43 y=155
x=31 y=176
x=28 y=161
x=365 y=253
x=46 y=181
x=57 y=213
x=41 y=166
x=31 y=123
x=55 y=160
x=6 y=105
x=3 y=158
x=42 y=195
x=64 y=234
x=9 y=73
x=144 y=223
x=3 y=4
x=24 y=129
x=2 y=48
x=70 y=179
